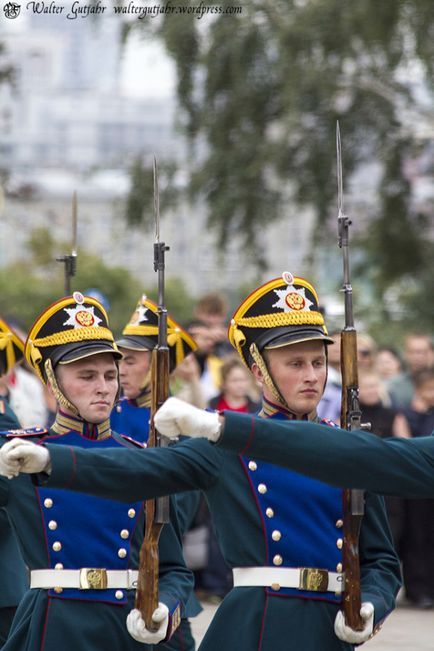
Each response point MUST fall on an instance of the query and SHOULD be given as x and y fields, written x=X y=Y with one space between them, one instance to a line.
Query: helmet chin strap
x=60 y=397
x=268 y=380
x=146 y=380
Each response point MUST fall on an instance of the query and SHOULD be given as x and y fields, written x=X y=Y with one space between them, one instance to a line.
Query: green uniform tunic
x=249 y=618
x=61 y=529
x=13 y=571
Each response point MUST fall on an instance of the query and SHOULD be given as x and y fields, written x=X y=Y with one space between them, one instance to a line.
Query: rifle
x=158 y=510
x=350 y=419
x=70 y=261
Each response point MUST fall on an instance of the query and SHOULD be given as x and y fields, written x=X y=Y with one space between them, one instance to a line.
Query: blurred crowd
x=396 y=396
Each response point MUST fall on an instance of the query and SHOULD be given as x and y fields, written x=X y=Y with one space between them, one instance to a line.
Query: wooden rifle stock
x=353 y=499
x=157 y=510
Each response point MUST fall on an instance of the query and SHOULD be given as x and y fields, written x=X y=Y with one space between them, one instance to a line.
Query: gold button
x=125 y=533
x=58 y=590
x=275 y=586
x=339 y=567
x=339 y=543
x=48 y=502
x=131 y=513
x=277 y=560
x=119 y=594
x=145 y=445
x=122 y=552
x=269 y=513
x=262 y=489
x=58 y=566
x=276 y=535
x=118 y=409
x=339 y=524
x=253 y=465
x=57 y=546
x=52 y=525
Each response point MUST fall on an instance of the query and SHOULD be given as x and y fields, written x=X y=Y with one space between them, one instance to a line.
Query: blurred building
x=65 y=108
x=65 y=125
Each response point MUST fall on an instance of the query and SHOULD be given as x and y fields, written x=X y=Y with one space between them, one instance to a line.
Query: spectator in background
x=366 y=351
x=418 y=542
x=26 y=397
x=24 y=391
x=236 y=388
x=385 y=422
x=212 y=309
x=185 y=382
x=209 y=363
x=329 y=406
x=388 y=362
x=418 y=355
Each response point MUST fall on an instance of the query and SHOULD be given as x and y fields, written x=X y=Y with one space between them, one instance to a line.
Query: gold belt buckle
x=313 y=579
x=93 y=578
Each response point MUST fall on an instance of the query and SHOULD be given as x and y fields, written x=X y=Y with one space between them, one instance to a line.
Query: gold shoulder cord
x=61 y=399
x=266 y=374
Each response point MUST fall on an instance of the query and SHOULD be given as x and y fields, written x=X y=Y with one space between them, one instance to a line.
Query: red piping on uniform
x=258 y=506
x=264 y=614
x=44 y=632
x=38 y=499
x=250 y=439
x=74 y=468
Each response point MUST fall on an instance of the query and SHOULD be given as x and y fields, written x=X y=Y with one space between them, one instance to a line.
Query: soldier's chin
x=306 y=406
x=98 y=415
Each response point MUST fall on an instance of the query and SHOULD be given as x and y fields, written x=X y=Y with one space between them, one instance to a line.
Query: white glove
x=24 y=456
x=178 y=417
x=347 y=634
x=137 y=627
x=8 y=467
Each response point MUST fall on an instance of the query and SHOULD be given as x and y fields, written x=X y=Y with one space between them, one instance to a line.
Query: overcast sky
x=147 y=71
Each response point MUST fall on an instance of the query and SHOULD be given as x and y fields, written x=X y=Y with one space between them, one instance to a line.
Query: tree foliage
x=30 y=286
x=261 y=92
x=139 y=208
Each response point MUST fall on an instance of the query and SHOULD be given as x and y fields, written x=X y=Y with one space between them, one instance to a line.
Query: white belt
x=302 y=578
x=86 y=578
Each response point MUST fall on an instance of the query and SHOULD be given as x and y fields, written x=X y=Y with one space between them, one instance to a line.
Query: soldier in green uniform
x=14 y=581
x=83 y=553
x=131 y=416
x=270 y=522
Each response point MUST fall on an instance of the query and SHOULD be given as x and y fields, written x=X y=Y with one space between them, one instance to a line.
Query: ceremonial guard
x=139 y=337
x=83 y=552
x=131 y=416
x=13 y=570
x=280 y=532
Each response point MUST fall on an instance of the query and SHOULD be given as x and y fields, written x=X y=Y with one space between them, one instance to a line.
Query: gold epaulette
x=37 y=432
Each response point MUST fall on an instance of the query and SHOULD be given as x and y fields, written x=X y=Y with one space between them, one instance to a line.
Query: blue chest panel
x=86 y=531
x=302 y=521
x=126 y=418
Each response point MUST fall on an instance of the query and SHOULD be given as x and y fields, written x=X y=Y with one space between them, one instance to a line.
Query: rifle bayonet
x=70 y=261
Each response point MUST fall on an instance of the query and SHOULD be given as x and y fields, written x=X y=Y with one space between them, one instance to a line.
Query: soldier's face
x=133 y=368
x=299 y=371
x=91 y=385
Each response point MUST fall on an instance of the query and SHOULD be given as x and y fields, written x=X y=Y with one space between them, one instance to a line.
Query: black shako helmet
x=73 y=328
x=283 y=311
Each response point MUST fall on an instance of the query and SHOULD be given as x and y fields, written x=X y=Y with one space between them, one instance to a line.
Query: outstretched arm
x=403 y=467
x=116 y=474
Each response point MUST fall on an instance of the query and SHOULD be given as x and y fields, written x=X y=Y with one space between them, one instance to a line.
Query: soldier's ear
x=257 y=373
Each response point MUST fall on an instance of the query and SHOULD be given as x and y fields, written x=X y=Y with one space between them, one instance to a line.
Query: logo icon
x=11 y=10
